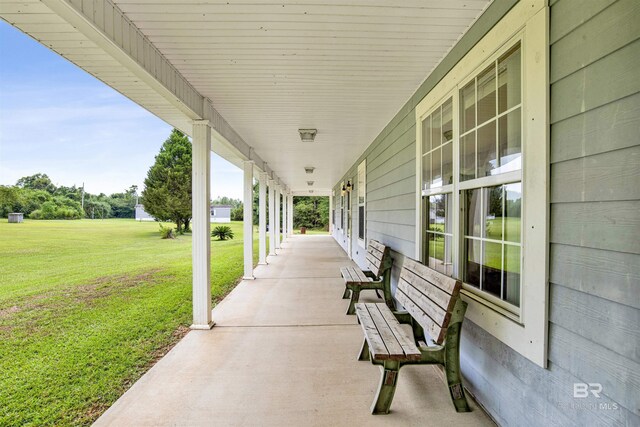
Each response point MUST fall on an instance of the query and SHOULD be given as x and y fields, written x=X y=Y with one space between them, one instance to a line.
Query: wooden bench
x=432 y=304
x=377 y=278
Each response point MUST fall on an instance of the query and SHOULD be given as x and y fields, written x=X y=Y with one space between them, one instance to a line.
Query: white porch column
x=277 y=219
x=284 y=216
x=247 y=220
x=272 y=217
x=290 y=207
x=330 y=210
x=262 y=220
x=201 y=236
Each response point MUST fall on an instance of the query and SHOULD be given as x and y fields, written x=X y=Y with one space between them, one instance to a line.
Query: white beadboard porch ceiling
x=344 y=67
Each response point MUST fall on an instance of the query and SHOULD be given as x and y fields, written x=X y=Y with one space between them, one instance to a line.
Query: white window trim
x=528 y=21
x=362 y=166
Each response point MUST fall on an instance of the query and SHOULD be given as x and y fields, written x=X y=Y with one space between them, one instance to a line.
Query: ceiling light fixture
x=307 y=135
x=309 y=169
x=309 y=183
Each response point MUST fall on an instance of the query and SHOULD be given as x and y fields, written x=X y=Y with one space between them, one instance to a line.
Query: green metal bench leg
x=452 y=358
x=386 y=290
x=364 y=351
x=355 y=295
x=386 y=389
x=346 y=293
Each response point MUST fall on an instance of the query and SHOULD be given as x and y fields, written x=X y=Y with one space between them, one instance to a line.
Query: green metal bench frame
x=444 y=351
x=380 y=262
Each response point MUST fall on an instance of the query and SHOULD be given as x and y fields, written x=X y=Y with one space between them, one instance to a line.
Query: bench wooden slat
x=395 y=350
x=429 y=326
x=446 y=283
x=375 y=257
x=354 y=275
x=430 y=308
x=346 y=274
x=410 y=349
x=377 y=245
x=376 y=346
x=437 y=295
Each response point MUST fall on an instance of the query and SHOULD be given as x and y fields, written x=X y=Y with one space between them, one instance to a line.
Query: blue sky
x=57 y=119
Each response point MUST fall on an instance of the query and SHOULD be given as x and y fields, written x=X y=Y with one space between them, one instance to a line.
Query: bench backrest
x=378 y=257
x=429 y=296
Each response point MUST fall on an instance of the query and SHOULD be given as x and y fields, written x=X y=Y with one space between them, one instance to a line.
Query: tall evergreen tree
x=167 y=193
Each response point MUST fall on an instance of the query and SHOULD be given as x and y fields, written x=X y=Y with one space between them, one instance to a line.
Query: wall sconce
x=349 y=186
x=343 y=190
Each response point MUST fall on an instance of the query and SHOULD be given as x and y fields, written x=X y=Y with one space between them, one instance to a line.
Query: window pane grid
x=486 y=154
x=492 y=265
x=496 y=98
x=437 y=147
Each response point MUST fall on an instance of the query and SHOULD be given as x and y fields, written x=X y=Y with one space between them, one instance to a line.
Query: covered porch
x=283 y=353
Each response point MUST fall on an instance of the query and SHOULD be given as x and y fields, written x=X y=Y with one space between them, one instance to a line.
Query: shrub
x=167 y=232
x=222 y=232
x=37 y=214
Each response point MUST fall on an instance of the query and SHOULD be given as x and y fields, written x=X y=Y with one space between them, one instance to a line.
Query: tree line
x=166 y=196
x=38 y=198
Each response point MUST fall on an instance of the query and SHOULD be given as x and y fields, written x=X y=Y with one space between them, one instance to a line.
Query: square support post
x=290 y=207
x=272 y=217
x=276 y=223
x=201 y=236
x=284 y=216
x=262 y=220
x=247 y=220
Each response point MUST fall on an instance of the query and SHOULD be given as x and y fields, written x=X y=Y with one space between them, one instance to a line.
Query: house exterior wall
x=594 y=289
x=220 y=213
x=142 y=215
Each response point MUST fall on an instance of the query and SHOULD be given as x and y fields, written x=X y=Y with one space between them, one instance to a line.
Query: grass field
x=86 y=307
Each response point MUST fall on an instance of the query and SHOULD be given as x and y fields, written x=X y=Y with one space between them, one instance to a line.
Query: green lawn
x=86 y=307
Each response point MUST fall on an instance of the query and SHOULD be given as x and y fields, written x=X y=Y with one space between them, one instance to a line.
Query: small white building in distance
x=142 y=215
x=219 y=213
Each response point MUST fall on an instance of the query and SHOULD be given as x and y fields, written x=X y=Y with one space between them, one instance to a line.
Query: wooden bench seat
x=433 y=305
x=378 y=277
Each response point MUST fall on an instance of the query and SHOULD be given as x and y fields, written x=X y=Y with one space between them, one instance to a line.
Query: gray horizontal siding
x=613 y=226
x=611 y=127
x=595 y=203
x=615 y=27
x=614 y=276
x=488 y=363
x=606 y=80
x=610 y=324
x=566 y=17
x=595 y=363
x=611 y=176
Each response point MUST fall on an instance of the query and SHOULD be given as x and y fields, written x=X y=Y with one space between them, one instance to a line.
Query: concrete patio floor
x=283 y=353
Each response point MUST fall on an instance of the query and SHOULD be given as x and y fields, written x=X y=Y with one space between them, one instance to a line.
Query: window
x=362 y=197
x=482 y=178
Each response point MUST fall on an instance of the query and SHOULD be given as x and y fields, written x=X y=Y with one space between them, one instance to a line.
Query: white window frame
x=362 y=191
x=526 y=332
